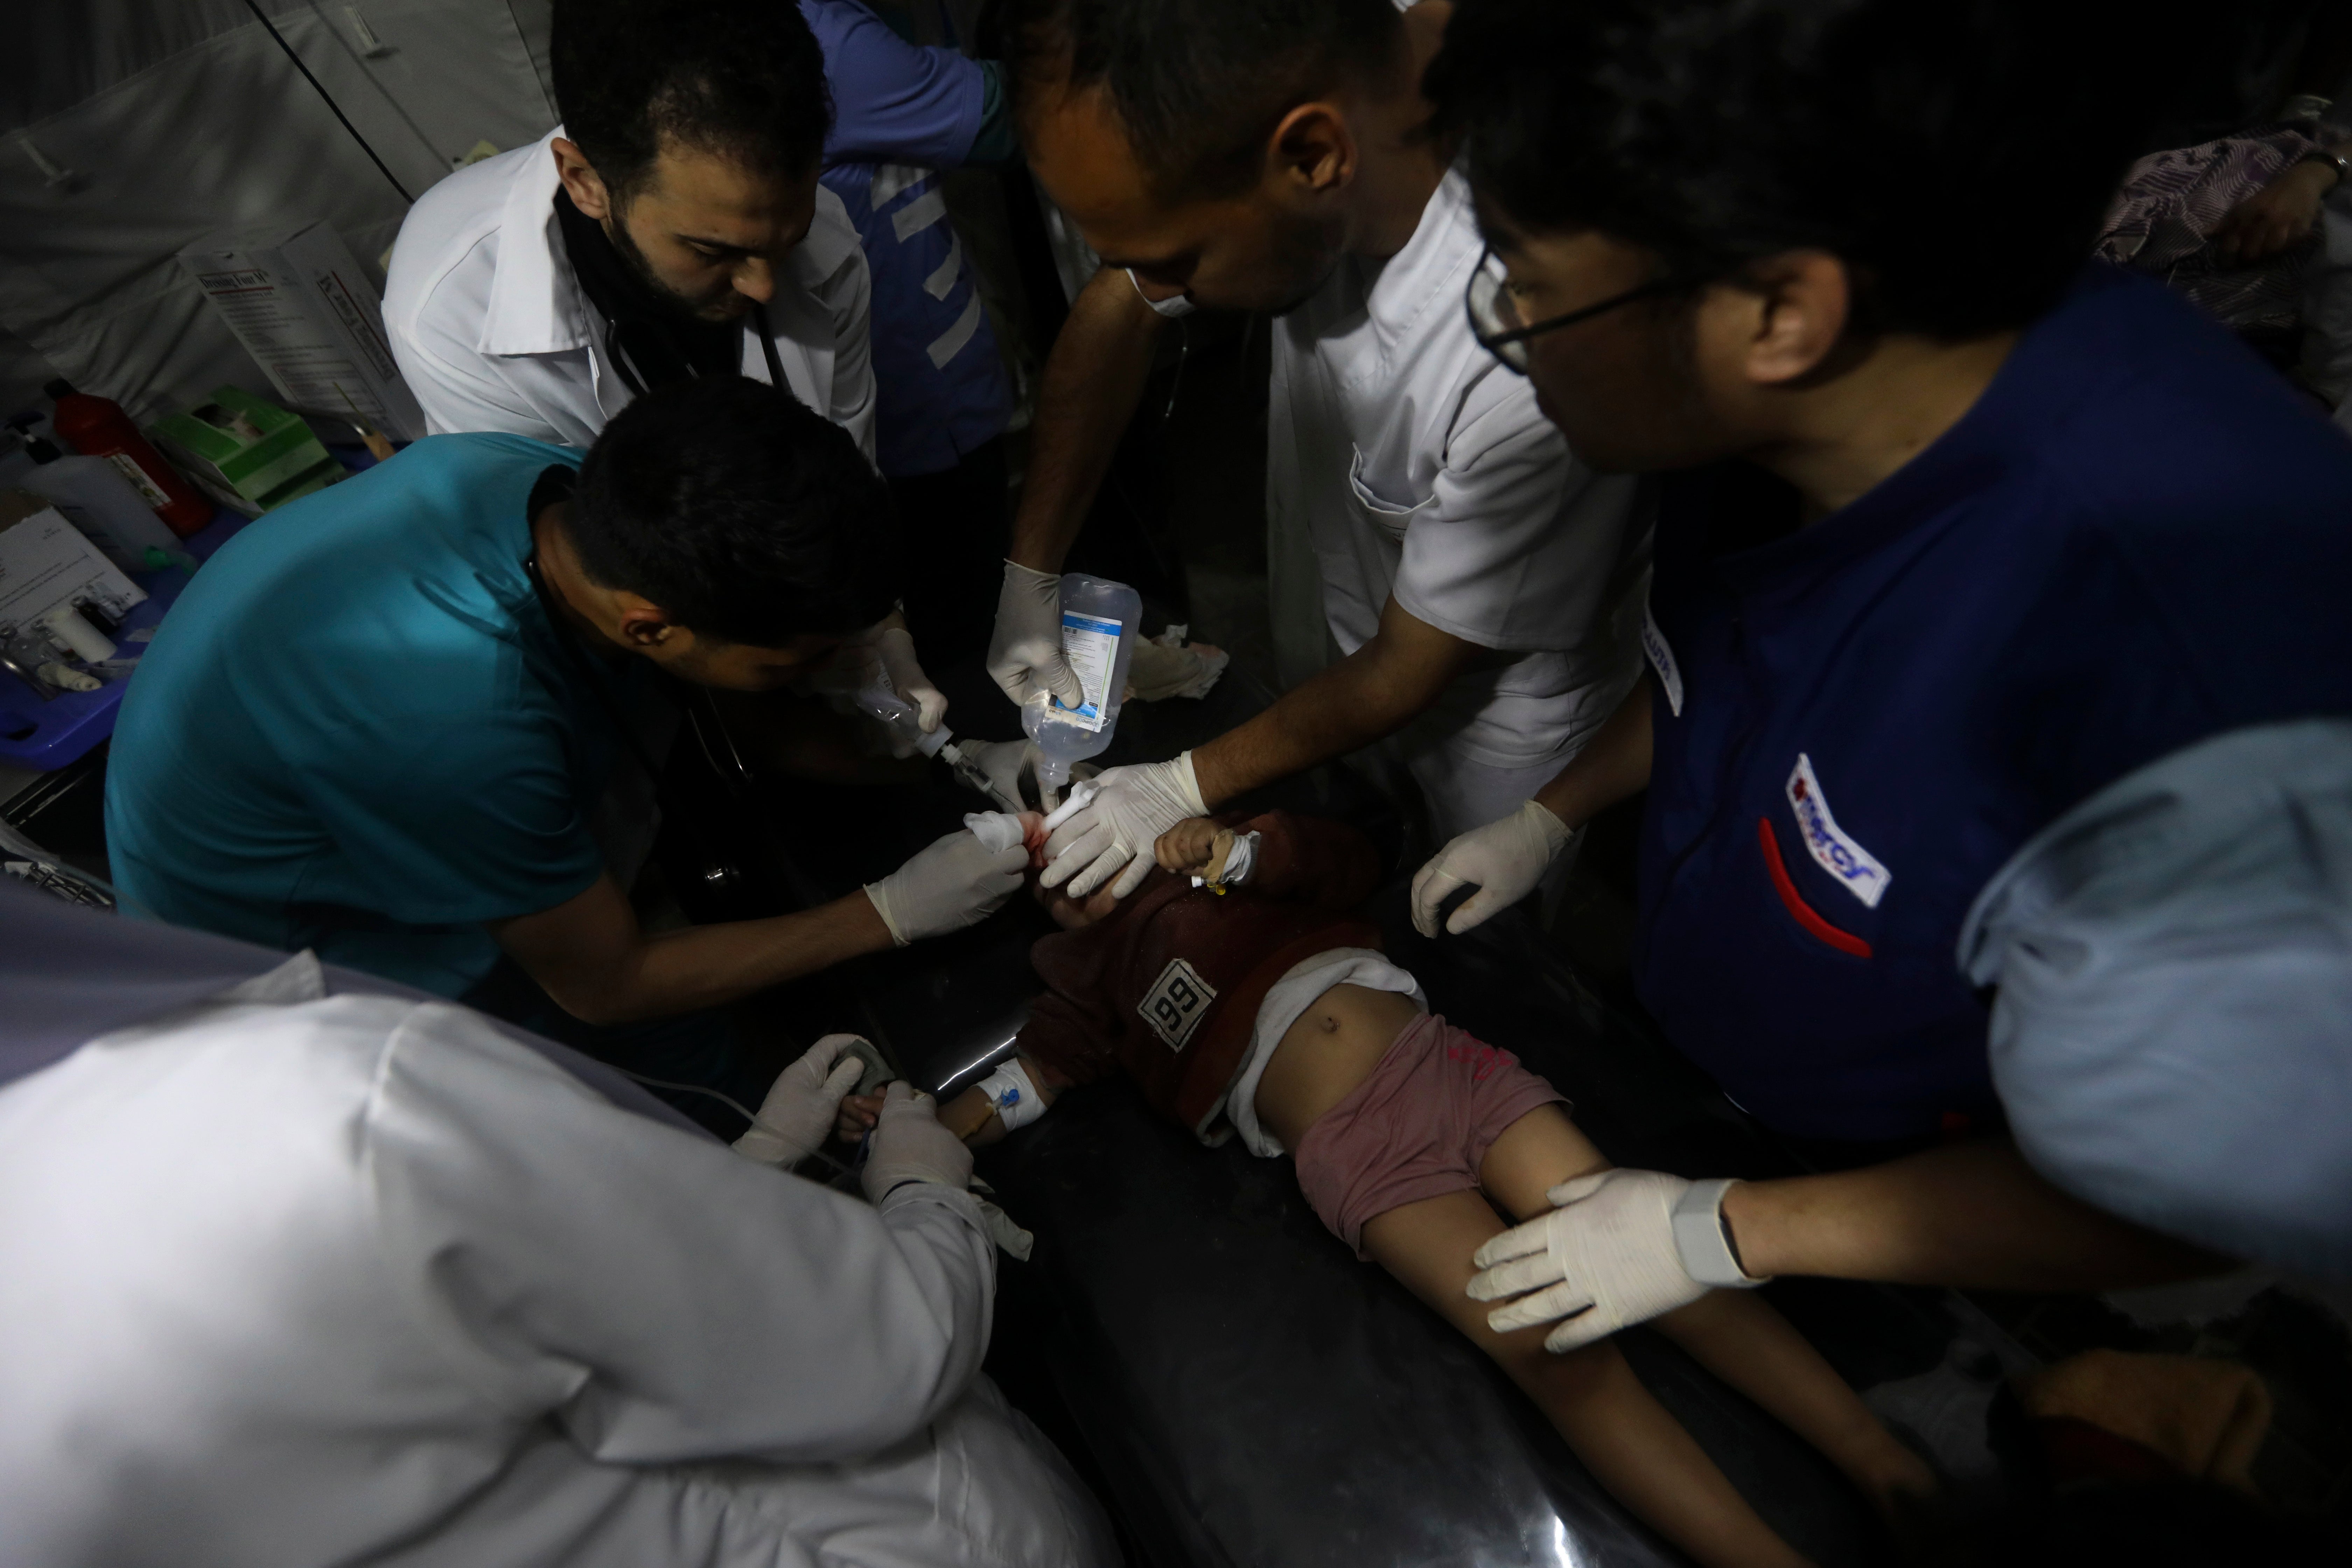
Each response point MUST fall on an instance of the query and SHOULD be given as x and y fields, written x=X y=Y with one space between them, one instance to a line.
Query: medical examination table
x=1236 y=1383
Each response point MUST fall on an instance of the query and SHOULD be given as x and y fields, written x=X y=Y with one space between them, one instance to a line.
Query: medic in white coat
x=673 y=228
x=1426 y=523
x=293 y=1275
x=493 y=330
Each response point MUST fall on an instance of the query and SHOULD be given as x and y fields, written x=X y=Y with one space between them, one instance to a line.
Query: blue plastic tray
x=44 y=736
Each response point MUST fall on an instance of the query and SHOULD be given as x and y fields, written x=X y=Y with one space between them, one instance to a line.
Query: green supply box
x=250 y=454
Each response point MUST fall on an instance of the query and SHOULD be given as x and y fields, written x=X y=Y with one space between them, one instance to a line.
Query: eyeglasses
x=1494 y=316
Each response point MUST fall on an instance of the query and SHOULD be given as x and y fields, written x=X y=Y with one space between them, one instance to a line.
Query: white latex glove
x=1113 y=821
x=956 y=882
x=909 y=1146
x=1621 y=1247
x=1504 y=859
x=896 y=647
x=798 y=1113
x=1167 y=665
x=1024 y=654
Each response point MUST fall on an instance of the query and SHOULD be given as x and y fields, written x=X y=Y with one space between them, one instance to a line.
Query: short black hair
x=1199 y=85
x=1956 y=155
x=742 y=513
x=742 y=78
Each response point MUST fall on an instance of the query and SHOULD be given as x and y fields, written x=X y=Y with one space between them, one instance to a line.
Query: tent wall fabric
x=129 y=129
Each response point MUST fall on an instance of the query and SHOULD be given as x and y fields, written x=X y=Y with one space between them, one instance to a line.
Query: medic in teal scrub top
x=365 y=728
x=1970 y=535
x=359 y=733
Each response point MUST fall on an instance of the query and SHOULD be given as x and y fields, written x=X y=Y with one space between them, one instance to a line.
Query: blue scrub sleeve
x=894 y=102
x=2174 y=964
x=474 y=818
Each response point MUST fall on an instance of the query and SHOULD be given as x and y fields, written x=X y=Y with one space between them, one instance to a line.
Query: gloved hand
x=895 y=645
x=802 y=1103
x=1024 y=654
x=1506 y=859
x=1113 y=821
x=955 y=883
x=1167 y=665
x=909 y=1146
x=1621 y=1247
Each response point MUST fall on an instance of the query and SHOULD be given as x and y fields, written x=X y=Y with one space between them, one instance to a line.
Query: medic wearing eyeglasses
x=1998 y=724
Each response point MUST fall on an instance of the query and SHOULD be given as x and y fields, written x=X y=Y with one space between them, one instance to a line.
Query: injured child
x=1241 y=993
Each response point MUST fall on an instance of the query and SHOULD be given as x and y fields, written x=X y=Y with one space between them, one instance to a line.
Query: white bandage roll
x=84 y=641
x=1016 y=1098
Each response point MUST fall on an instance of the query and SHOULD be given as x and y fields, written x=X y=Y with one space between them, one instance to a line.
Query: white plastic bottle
x=100 y=503
x=1100 y=622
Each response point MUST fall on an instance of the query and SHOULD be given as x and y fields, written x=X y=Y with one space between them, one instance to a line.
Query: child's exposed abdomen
x=1332 y=1048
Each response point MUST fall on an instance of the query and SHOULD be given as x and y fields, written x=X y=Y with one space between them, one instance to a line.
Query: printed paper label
x=1176 y=1004
x=1091 y=645
x=1661 y=660
x=1854 y=868
x=131 y=470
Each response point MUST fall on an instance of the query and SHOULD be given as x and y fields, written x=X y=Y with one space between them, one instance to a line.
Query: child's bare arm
x=971 y=1115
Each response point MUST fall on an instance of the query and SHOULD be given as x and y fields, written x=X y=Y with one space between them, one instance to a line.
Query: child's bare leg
x=1734 y=1336
x=1591 y=1396
x=1745 y=1342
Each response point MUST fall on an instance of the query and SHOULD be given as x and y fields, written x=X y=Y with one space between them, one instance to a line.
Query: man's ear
x=1802 y=301
x=1313 y=152
x=646 y=627
x=581 y=179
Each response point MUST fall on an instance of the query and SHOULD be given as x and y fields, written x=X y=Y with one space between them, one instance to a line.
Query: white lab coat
x=1401 y=458
x=304 y=1281
x=492 y=331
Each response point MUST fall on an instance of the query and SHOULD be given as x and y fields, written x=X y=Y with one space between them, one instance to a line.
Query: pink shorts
x=1418 y=1128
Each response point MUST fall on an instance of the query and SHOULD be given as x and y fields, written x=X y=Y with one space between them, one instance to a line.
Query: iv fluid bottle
x=100 y=503
x=1099 y=624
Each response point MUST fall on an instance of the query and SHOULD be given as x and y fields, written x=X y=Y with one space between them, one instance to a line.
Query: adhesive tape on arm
x=1016 y=1098
x=1241 y=862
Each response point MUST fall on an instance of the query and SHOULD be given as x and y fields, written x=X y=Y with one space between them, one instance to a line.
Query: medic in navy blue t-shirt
x=1982 y=575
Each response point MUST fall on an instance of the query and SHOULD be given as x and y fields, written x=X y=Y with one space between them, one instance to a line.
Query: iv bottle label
x=1091 y=645
x=130 y=469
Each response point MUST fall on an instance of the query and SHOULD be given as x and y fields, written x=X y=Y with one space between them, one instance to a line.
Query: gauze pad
x=996 y=830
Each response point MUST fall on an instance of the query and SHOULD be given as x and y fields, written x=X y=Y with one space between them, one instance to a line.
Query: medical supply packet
x=296 y=300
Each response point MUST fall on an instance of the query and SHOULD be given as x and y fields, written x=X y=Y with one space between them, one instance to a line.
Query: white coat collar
x=535 y=302
x=1434 y=268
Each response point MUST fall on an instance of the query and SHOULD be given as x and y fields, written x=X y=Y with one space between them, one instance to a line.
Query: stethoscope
x=619 y=356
